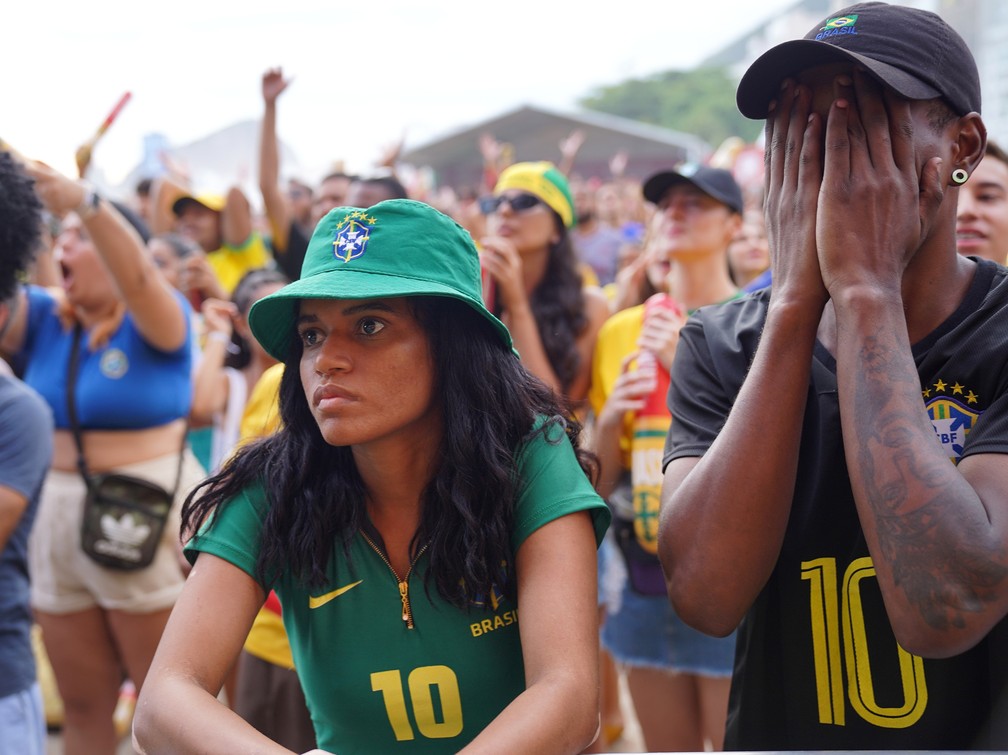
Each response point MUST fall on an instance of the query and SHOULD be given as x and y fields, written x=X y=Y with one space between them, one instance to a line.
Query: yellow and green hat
x=543 y=180
x=398 y=247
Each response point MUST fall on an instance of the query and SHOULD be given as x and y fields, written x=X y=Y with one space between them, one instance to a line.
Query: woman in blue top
x=132 y=392
x=423 y=516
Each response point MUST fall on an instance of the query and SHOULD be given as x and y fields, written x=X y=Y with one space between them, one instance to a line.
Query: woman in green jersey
x=423 y=515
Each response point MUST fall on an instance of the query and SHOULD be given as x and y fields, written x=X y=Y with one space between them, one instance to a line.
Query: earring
x=960 y=176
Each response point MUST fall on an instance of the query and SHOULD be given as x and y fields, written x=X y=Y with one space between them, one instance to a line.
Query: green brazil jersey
x=387 y=665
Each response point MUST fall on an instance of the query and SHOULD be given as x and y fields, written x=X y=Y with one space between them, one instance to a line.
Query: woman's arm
x=210 y=383
x=274 y=202
x=628 y=394
x=178 y=710
x=558 y=711
x=165 y=191
x=236 y=219
x=150 y=299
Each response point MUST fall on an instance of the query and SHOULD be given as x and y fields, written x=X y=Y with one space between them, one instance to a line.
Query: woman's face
x=367 y=371
x=982 y=216
x=86 y=280
x=242 y=324
x=749 y=251
x=530 y=228
x=693 y=223
x=166 y=260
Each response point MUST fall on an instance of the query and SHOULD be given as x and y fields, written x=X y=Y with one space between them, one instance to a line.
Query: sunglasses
x=517 y=203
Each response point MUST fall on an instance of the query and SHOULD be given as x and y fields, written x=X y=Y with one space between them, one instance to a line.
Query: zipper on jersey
x=407 y=611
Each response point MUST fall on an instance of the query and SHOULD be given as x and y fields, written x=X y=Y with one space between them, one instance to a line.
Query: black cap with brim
x=714 y=182
x=914 y=52
x=761 y=83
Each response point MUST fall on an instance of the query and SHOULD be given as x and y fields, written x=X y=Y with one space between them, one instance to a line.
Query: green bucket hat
x=395 y=248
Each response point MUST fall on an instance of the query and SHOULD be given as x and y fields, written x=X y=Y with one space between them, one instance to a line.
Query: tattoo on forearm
x=922 y=566
x=930 y=569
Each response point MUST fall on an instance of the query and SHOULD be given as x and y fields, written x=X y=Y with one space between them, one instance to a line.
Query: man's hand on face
x=792 y=177
x=878 y=193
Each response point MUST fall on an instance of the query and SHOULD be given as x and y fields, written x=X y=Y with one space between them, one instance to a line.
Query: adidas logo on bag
x=122 y=537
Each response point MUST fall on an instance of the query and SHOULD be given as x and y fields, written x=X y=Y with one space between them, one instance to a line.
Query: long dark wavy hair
x=316 y=498
x=558 y=307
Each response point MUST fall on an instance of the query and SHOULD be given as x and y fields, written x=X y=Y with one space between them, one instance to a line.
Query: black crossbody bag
x=124 y=516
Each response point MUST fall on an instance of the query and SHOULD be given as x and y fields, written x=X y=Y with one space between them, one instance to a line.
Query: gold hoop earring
x=960 y=176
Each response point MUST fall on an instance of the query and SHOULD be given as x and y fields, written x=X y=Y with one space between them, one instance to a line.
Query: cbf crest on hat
x=914 y=52
x=352 y=235
x=395 y=248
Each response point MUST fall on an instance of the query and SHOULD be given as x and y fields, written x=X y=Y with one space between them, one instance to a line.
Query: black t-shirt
x=817 y=666
x=289 y=260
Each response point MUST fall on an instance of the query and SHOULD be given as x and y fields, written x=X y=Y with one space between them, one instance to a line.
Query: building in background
x=535 y=133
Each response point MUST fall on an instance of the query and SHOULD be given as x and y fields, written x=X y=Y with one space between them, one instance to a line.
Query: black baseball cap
x=914 y=52
x=714 y=182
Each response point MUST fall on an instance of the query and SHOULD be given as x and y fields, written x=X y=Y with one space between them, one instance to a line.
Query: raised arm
x=157 y=313
x=274 y=202
x=210 y=382
x=558 y=711
x=724 y=515
x=570 y=145
x=178 y=710
x=165 y=191
x=937 y=533
x=236 y=218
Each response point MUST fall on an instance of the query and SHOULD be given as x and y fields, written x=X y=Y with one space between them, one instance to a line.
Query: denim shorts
x=644 y=630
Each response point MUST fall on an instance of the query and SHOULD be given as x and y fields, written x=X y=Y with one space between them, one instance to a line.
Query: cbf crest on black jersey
x=817 y=665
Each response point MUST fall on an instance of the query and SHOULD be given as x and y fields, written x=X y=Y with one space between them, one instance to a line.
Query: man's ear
x=971 y=142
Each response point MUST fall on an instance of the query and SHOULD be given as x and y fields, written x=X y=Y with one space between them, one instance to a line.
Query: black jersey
x=817 y=665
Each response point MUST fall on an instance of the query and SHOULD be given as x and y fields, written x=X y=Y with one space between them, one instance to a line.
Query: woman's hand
x=660 y=334
x=629 y=392
x=57 y=192
x=196 y=274
x=501 y=259
x=218 y=316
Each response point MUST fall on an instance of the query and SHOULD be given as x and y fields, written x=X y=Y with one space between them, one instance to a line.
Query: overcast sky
x=364 y=72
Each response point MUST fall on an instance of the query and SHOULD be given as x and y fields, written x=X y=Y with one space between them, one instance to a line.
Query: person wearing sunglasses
x=528 y=256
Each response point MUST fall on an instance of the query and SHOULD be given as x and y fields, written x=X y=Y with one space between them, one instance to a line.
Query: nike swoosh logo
x=321 y=600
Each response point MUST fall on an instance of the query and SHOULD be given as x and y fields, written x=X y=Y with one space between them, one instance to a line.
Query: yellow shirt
x=262 y=412
x=642 y=434
x=230 y=263
x=617 y=338
x=267 y=639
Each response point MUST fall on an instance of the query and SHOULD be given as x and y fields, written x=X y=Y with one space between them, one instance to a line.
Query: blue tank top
x=125 y=385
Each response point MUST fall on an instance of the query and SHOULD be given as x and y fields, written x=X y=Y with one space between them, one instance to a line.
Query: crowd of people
x=376 y=470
